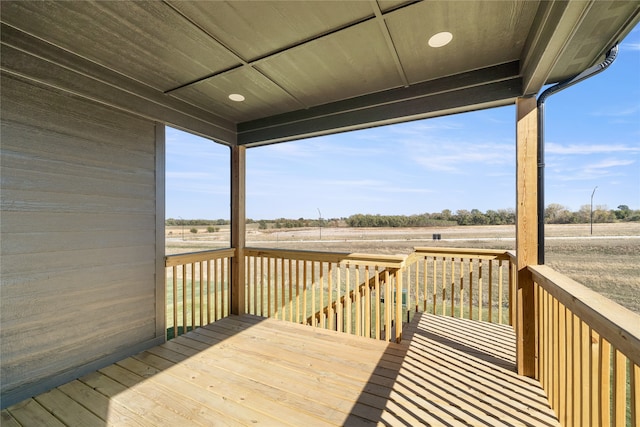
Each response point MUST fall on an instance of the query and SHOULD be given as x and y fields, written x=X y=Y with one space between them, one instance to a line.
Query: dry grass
x=607 y=261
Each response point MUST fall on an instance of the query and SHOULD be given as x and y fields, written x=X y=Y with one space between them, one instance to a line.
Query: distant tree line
x=439 y=219
x=191 y=222
x=558 y=214
x=554 y=214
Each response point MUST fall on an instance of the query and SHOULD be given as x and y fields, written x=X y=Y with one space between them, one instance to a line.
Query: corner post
x=161 y=280
x=238 y=228
x=526 y=232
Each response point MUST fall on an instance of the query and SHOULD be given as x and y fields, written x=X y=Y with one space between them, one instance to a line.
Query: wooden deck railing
x=197 y=289
x=473 y=284
x=588 y=353
x=353 y=293
x=371 y=295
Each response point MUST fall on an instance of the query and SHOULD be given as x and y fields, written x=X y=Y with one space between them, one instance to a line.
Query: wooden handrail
x=352 y=294
x=191 y=257
x=615 y=323
x=345 y=258
x=475 y=253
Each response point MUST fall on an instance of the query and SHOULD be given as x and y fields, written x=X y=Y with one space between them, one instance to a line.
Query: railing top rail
x=616 y=324
x=465 y=252
x=388 y=261
x=191 y=257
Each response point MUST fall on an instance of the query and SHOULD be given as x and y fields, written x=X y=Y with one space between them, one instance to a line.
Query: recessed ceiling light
x=236 y=97
x=440 y=39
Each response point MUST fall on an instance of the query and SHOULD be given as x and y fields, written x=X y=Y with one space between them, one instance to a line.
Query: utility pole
x=591 y=210
x=320 y=222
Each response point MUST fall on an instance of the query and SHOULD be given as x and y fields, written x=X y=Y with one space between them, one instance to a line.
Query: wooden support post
x=238 y=226
x=526 y=232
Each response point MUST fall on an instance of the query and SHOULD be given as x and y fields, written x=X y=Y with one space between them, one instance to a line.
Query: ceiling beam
x=553 y=29
x=377 y=14
x=498 y=85
x=32 y=58
x=390 y=45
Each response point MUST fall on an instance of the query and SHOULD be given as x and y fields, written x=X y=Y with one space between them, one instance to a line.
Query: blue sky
x=463 y=161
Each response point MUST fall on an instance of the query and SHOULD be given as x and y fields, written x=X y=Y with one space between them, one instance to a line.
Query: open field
x=607 y=261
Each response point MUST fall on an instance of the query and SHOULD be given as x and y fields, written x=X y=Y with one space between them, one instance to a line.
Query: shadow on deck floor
x=252 y=371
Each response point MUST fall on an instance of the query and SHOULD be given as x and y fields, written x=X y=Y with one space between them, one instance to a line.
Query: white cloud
x=609 y=163
x=631 y=46
x=620 y=112
x=553 y=148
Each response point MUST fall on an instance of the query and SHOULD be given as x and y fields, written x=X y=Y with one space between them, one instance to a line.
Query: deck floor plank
x=246 y=370
x=7 y=420
x=68 y=410
x=31 y=413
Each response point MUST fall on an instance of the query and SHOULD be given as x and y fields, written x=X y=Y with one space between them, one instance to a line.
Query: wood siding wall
x=79 y=235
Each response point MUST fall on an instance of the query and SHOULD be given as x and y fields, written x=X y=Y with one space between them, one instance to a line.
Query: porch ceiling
x=305 y=68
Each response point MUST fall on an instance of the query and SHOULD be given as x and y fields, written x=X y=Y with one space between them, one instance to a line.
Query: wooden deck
x=253 y=371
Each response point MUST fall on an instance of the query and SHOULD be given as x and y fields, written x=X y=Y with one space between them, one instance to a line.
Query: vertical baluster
x=225 y=271
x=208 y=291
x=321 y=286
x=283 y=305
x=348 y=297
x=377 y=302
x=594 y=399
x=435 y=286
x=215 y=288
x=461 y=280
x=367 y=303
x=387 y=306
x=556 y=355
x=577 y=375
x=290 y=298
x=276 y=274
x=500 y=290
x=339 y=317
x=269 y=293
x=357 y=290
x=425 y=276
x=511 y=293
x=542 y=316
x=185 y=301
x=551 y=347
x=399 y=288
x=255 y=285
x=470 y=288
x=330 y=297
x=444 y=285
x=417 y=287
x=175 y=300
x=490 y=291
x=247 y=285
x=569 y=401
x=619 y=388
x=297 y=265
x=585 y=352
x=313 y=293
x=604 y=401
x=480 y=288
x=223 y=286
x=262 y=286
x=200 y=267
x=635 y=393
x=304 y=290
x=453 y=284
x=193 y=295
x=562 y=354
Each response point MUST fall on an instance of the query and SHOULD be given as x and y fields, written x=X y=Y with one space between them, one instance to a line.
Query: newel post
x=238 y=227
x=526 y=231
